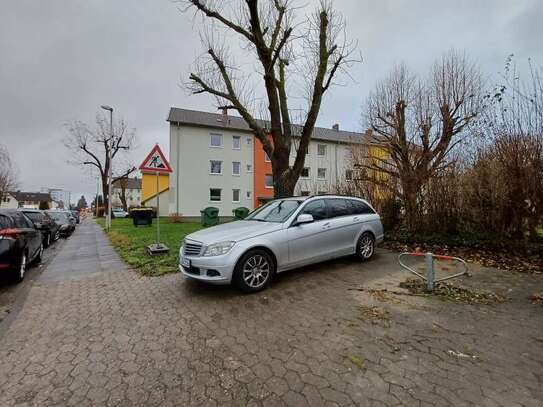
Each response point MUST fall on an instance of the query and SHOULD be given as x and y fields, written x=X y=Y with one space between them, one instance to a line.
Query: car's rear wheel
x=21 y=269
x=39 y=255
x=366 y=246
x=47 y=240
x=254 y=271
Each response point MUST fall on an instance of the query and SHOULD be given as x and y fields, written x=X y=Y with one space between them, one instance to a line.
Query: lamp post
x=109 y=170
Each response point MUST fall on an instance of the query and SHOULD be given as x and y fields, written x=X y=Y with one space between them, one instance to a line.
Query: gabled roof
x=31 y=196
x=131 y=183
x=220 y=121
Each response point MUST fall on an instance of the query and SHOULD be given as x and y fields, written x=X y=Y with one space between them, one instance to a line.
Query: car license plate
x=185 y=263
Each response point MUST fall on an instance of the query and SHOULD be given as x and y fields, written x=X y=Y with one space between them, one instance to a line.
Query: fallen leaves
x=449 y=291
x=537 y=298
x=375 y=315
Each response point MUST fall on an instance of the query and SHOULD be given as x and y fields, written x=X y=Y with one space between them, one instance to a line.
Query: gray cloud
x=61 y=59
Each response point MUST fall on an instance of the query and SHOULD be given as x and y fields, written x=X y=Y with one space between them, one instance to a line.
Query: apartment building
x=217 y=161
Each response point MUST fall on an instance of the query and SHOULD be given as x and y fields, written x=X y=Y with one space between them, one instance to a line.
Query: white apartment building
x=132 y=191
x=217 y=161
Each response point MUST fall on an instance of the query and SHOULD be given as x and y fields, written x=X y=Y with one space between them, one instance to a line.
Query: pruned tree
x=92 y=146
x=8 y=173
x=419 y=122
x=313 y=50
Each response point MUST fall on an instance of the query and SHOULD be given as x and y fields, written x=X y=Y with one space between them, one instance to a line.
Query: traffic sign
x=155 y=162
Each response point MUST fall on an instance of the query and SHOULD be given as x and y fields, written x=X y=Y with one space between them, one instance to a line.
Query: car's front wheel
x=57 y=236
x=366 y=246
x=47 y=240
x=254 y=271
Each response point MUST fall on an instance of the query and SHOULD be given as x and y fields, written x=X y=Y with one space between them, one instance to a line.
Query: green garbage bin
x=210 y=216
x=240 y=213
x=142 y=216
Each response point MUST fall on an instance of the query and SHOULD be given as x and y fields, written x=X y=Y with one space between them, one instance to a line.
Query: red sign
x=156 y=162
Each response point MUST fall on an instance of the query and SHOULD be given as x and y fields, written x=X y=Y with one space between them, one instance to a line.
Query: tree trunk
x=123 y=197
x=105 y=193
x=284 y=179
x=411 y=189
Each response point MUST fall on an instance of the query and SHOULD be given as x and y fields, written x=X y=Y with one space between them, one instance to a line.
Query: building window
x=305 y=172
x=267 y=157
x=236 y=142
x=349 y=154
x=216 y=167
x=236 y=168
x=349 y=175
x=304 y=193
x=249 y=168
x=249 y=141
x=321 y=149
x=321 y=173
x=235 y=195
x=215 y=140
x=215 y=194
x=268 y=181
x=248 y=194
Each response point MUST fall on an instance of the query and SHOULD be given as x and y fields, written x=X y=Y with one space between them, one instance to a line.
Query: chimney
x=336 y=127
x=224 y=118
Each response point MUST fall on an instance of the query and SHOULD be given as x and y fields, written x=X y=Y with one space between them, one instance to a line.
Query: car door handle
x=356 y=219
x=326 y=225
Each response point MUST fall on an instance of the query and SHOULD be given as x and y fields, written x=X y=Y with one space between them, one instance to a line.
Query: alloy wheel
x=256 y=271
x=366 y=247
x=22 y=267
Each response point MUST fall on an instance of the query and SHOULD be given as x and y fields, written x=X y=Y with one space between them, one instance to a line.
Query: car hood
x=234 y=231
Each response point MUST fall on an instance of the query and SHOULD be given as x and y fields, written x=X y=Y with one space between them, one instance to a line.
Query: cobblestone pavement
x=93 y=333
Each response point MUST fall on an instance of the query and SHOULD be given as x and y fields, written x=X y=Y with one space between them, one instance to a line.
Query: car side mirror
x=304 y=218
x=38 y=225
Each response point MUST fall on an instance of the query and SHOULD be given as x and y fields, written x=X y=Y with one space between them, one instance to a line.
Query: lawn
x=130 y=243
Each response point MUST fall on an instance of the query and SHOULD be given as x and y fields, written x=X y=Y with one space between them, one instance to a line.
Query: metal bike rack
x=430 y=274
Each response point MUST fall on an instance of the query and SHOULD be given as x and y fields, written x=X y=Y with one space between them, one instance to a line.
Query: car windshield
x=275 y=211
x=59 y=216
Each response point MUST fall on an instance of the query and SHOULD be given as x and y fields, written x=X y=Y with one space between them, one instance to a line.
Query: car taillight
x=9 y=233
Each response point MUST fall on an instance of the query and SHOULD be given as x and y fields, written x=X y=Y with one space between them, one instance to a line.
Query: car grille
x=192 y=249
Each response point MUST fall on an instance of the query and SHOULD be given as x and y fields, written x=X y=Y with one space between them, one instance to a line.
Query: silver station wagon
x=279 y=236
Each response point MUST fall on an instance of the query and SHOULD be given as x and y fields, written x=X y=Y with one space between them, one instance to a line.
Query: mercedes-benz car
x=283 y=234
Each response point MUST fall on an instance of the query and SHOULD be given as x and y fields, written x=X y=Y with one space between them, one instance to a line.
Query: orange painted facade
x=261 y=193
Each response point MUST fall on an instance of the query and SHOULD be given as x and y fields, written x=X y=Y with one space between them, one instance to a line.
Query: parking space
x=92 y=332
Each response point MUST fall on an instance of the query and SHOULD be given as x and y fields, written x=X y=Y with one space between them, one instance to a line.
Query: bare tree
x=90 y=147
x=419 y=122
x=314 y=49
x=8 y=173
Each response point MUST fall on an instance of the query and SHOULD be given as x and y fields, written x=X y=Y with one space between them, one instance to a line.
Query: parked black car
x=20 y=243
x=65 y=220
x=49 y=229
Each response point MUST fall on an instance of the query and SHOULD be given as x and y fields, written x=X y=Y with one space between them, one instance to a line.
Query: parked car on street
x=279 y=236
x=20 y=243
x=65 y=220
x=119 y=213
x=49 y=229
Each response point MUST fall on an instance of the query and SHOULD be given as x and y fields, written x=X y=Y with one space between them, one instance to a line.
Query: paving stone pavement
x=91 y=332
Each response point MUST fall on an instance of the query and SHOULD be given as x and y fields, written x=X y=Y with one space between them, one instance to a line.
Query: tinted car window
x=360 y=208
x=5 y=222
x=21 y=222
x=338 y=207
x=317 y=209
x=34 y=216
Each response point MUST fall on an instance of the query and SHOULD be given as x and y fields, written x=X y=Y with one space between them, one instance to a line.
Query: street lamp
x=108 y=216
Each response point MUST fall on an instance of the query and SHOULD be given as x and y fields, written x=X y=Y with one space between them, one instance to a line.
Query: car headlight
x=217 y=249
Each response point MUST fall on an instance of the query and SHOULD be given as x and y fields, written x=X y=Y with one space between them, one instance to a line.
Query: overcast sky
x=61 y=59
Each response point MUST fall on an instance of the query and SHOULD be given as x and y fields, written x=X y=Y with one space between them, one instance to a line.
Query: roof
x=31 y=196
x=217 y=121
x=131 y=183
